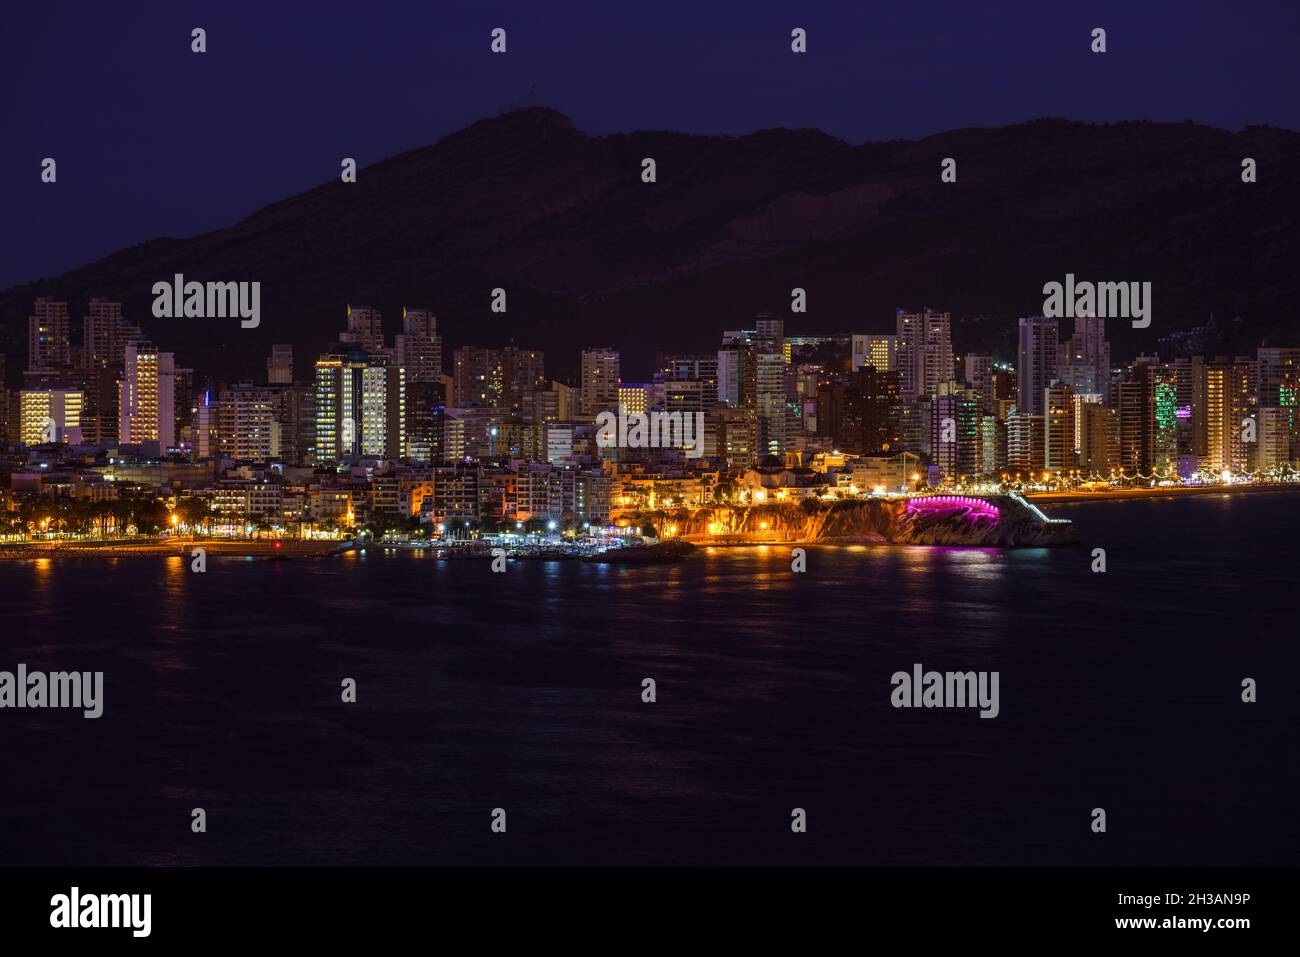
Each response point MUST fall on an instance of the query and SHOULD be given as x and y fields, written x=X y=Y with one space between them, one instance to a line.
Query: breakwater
x=980 y=521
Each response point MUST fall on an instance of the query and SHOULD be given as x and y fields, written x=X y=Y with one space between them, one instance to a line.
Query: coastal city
x=109 y=439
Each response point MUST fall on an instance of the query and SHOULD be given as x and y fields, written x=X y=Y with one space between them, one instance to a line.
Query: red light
x=277 y=544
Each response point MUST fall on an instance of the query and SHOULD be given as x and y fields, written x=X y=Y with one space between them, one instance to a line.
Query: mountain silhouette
x=589 y=254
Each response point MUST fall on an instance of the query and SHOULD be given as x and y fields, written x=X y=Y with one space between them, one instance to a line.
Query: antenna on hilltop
x=532 y=95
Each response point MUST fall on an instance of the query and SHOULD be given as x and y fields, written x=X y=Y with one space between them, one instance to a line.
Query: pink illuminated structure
x=976 y=510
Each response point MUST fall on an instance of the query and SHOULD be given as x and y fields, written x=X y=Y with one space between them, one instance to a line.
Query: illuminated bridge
x=975 y=510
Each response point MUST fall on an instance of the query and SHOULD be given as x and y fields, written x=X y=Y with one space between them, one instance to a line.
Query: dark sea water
x=523 y=691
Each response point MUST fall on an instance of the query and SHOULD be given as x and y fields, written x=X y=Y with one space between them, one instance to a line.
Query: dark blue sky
x=154 y=140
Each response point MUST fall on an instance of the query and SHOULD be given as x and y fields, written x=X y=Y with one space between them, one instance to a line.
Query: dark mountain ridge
x=589 y=254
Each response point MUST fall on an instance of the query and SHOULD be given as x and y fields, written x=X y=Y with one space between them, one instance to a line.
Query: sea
x=503 y=718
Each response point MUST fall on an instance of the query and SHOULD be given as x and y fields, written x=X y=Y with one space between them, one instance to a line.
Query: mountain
x=591 y=255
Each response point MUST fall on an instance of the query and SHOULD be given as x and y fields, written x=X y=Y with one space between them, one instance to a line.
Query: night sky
x=153 y=140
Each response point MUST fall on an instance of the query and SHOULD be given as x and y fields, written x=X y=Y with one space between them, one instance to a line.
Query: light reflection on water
x=478 y=688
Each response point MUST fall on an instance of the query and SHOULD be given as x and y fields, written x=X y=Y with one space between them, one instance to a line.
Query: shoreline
x=287 y=550
x=1050 y=498
x=29 y=551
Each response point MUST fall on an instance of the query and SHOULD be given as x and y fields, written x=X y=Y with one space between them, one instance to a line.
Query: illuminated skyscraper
x=600 y=379
x=878 y=351
x=955 y=433
x=1059 y=429
x=634 y=398
x=248 y=427
x=50 y=415
x=360 y=407
x=1025 y=436
x=147 y=410
x=1228 y=394
x=1098 y=439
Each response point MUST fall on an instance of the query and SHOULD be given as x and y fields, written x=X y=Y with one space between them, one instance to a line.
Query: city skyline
x=497 y=441
x=630 y=441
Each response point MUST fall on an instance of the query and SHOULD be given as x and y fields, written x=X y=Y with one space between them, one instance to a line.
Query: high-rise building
x=936 y=361
x=600 y=379
x=910 y=336
x=147 y=397
x=1148 y=417
x=736 y=369
x=523 y=372
x=1088 y=354
x=698 y=368
x=496 y=378
x=4 y=404
x=737 y=441
x=878 y=351
x=419 y=347
x=1098 y=439
x=923 y=352
x=770 y=332
x=48 y=342
x=1002 y=383
x=100 y=360
x=105 y=335
x=100 y=416
x=248 y=426
x=1025 y=438
x=1228 y=393
x=1037 y=359
x=207 y=428
x=955 y=439
x=993 y=444
x=1164 y=419
x=977 y=370
x=1059 y=431
x=634 y=397
x=365 y=329
x=279 y=367
x=1276 y=437
x=184 y=405
x=768 y=383
x=1132 y=411
x=360 y=407
x=479 y=376
x=425 y=401
x=1279 y=376
x=684 y=395
x=50 y=415
x=862 y=415
x=770 y=401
